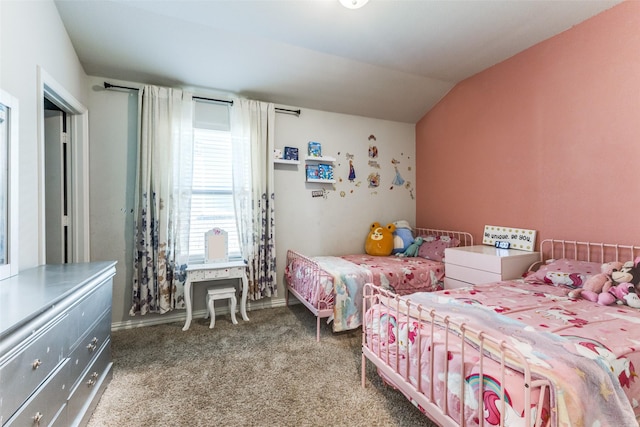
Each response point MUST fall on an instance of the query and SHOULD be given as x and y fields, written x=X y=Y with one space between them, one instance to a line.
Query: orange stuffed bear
x=380 y=240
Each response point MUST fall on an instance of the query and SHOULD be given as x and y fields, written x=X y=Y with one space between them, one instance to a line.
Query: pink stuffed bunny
x=598 y=284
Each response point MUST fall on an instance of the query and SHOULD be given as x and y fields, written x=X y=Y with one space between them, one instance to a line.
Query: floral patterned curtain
x=165 y=118
x=252 y=129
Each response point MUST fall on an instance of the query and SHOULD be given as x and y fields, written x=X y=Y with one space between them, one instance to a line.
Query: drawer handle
x=37 y=418
x=93 y=344
x=92 y=379
x=36 y=363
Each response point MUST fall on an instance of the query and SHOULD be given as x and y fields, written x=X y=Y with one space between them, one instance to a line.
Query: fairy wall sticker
x=373 y=151
x=373 y=154
x=408 y=186
x=397 y=180
x=350 y=184
x=374 y=180
x=352 y=171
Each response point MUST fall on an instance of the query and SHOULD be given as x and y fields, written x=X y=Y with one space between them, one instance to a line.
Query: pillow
x=433 y=247
x=565 y=272
x=402 y=239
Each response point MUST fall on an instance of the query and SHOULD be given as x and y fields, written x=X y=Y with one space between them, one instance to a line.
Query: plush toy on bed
x=413 y=248
x=596 y=288
x=629 y=277
x=380 y=240
x=402 y=236
x=617 y=282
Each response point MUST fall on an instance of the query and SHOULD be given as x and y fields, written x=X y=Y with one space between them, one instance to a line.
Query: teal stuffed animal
x=412 y=250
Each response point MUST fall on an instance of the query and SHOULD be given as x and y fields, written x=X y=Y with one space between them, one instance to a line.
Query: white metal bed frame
x=457 y=334
x=324 y=308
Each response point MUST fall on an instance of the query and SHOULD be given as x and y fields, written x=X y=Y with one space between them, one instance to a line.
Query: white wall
x=112 y=165
x=32 y=35
x=339 y=224
x=334 y=225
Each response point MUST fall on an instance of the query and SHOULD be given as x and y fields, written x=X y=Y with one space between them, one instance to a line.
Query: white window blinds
x=212 y=191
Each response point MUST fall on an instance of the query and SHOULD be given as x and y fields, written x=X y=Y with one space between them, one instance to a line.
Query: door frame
x=79 y=171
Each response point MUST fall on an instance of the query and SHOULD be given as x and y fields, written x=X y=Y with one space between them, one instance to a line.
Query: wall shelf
x=324 y=159
x=322 y=181
x=286 y=162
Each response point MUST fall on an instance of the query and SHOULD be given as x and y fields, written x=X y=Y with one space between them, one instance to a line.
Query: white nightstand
x=472 y=265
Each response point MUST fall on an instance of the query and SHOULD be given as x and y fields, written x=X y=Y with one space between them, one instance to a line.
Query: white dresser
x=472 y=265
x=55 y=346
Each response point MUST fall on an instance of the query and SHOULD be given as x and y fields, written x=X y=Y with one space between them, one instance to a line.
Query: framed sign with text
x=518 y=238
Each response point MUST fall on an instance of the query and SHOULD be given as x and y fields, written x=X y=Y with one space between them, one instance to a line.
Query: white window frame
x=10 y=267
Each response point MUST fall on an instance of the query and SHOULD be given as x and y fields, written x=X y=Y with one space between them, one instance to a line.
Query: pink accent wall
x=547 y=140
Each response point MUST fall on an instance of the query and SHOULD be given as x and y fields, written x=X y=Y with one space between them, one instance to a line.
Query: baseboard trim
x=181 y=315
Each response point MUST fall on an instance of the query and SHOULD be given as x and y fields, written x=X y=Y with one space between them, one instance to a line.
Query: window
x=212 y=191
x=212 y=200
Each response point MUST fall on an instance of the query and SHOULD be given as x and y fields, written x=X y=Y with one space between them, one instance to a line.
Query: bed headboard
x=466 y=239
x=587 y=251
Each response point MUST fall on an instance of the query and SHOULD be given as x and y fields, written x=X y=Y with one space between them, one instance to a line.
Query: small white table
x=218 y=271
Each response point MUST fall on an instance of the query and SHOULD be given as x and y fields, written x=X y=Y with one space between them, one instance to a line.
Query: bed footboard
x=307 y=281
x=452 y=385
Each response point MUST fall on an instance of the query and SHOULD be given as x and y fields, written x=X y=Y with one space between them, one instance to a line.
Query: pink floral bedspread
x=588 y=352
x=403 y=275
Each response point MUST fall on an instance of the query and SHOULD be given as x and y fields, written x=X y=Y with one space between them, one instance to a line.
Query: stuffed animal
x=413 y=248
x=618 y=293
x=629 y=276
x=402 y=236
x=629 y=272
x=380 y=240
x=598 y=284
x=616 y=283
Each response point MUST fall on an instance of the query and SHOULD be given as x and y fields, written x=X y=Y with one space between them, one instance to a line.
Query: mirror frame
x=10 y=268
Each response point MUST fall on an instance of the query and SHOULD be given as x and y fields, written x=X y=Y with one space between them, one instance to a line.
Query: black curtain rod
x=224 y=101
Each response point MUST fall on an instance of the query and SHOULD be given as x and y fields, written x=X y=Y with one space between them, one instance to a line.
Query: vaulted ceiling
x=390 y=60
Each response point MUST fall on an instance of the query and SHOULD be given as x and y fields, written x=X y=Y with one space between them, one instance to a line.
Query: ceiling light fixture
x=353 y=4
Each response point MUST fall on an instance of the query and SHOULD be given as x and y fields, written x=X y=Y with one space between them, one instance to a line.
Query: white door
x=57 y=167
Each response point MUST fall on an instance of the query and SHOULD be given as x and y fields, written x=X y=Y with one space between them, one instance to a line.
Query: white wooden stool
x=214 y=294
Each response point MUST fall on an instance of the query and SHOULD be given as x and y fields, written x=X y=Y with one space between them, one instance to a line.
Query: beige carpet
x=269 y=371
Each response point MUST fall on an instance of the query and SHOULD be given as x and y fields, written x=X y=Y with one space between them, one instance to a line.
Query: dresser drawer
x=92 y=382
x=31 y=364
x=222 y=273
x=89 y=345
x=470 y=275
x=87 y=310
x=450 y=283
x=47 y=405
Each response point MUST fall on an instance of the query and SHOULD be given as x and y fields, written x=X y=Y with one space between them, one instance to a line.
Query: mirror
x=8 y=185
x=216 y=246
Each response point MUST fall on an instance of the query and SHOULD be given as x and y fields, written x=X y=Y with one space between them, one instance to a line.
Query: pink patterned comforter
x=588 y=352
x=342 y=289
x=403 y=275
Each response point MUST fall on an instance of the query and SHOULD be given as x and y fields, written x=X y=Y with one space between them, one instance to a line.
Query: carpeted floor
x=269 y=371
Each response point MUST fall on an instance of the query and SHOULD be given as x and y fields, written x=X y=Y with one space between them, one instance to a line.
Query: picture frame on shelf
x=290 y=153
x=315 y=149
x=313 y=172
x=325 y=171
